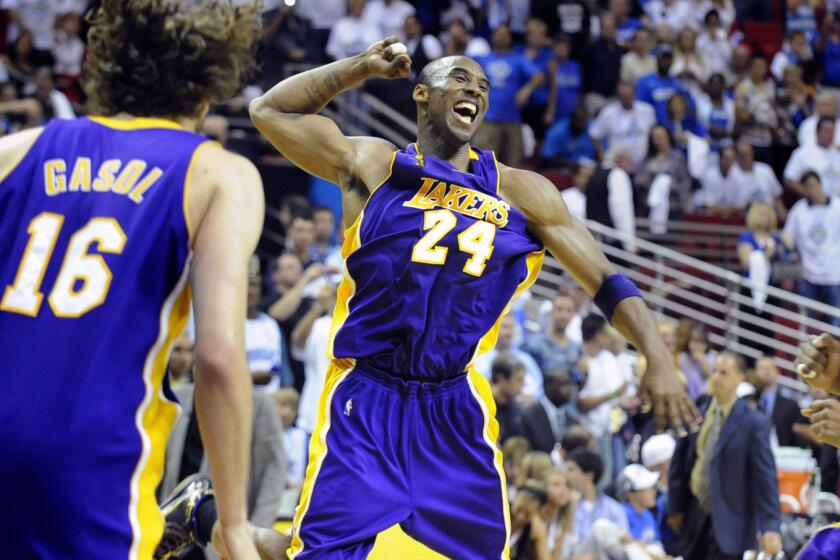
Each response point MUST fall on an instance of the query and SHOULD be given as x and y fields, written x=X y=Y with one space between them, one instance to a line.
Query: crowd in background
x=656 y=109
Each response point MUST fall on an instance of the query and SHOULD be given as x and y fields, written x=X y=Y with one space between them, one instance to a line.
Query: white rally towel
x=760 y=276
x=659 y=202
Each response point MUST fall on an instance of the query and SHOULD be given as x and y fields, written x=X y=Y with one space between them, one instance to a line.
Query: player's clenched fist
x=388 y=59
x=818 y=363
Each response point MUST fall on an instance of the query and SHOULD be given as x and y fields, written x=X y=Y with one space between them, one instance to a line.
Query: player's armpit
x=315 y=144
x=566 y=238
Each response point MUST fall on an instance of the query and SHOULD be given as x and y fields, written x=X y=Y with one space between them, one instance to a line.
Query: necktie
x=705 y=497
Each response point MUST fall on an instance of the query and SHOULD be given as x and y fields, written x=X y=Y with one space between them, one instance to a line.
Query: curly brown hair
x=166 y=57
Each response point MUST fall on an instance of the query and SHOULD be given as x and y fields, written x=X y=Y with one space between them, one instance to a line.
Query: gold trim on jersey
x=533 y=264
x=135 y=123
x=483 y=394
x=186 y=202
x=154 y=419
x=337 y=372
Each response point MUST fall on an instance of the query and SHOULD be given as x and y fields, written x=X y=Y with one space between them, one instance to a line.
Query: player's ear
x=420 y=93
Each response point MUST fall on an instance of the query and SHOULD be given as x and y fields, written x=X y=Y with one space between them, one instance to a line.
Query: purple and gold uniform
x=824 y=545
x=406 y=428
x=94 y=256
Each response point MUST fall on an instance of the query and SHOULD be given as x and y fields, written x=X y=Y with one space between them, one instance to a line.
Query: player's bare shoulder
x=371 y=161
x=219 y=174
x=533 y=195
x=14 y=147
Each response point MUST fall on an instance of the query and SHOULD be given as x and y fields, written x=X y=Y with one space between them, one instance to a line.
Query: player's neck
x=438 y=147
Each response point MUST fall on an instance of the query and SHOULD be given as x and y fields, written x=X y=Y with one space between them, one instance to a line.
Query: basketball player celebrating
x=442 y=238
x=109 y=225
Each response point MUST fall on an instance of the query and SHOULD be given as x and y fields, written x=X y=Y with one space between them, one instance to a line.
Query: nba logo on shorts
x=348 y=407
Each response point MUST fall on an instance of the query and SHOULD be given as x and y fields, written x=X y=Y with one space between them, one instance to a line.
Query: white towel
x=760 y=276
x=659 y=202
x=698 y=155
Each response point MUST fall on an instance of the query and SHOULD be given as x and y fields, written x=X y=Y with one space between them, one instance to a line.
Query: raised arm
x=226 y=210
x=570 y=242
x=287 y=115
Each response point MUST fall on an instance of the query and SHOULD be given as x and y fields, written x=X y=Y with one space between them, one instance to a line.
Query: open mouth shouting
x=465 y=112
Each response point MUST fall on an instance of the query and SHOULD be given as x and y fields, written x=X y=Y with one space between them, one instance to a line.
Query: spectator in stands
x=585 y=470
x=267 y=465
x=507 y=378
x=215 y=127
x=295 y=438
x=739 y=66
x=689 y=65
x=535 y=466
x=54 y=104
x=558 y=512
x=827 y=51
x=545 y=422
x=626 y=24
x=665 y=160
x=565 y=81
x=568 y=143
x=717 y=193
x=324 y=248
x=352 y=34
x=794 y=105
x=286 y=38
x=784 y=414
x=609 y=196
x=291 y=301
x=713 y=44
x=422 y=47
x=656 y=455
x=716 y=113
x=758 y=248
x=673 y=14
x=825 y=105
x=796 y=51
x=553 y=347
x=813 y=229
x=625 y=123
x=575 y=196
x=821 y=157
x=754 y=181
x=682 y=122
x=527 y=529
x=696 y=361
x=800 y=17
x=37 y=19
x=323 y=15
x=514 y=450
x=657 y=89
x=637 y=489
x=69 y=52
x=181 y=362
x=506 y=345
x=22 y=64
x=724 y=8
x=723 y=488
x=388 y=16
x=309 y=345
x=538 y=113
x=754 y=111
x=602 y=66
x=458 y=40
x=602 y=388
x=512 y=81
x=301 y=239
x=638 y=61
x=263 y=341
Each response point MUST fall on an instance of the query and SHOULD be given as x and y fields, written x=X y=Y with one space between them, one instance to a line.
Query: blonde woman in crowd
x=535 y=465
x=558 y=512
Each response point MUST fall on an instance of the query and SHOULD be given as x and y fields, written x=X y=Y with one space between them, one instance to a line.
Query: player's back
x=94 y=254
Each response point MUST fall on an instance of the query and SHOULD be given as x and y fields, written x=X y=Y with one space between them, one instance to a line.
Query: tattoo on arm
x=320 y=90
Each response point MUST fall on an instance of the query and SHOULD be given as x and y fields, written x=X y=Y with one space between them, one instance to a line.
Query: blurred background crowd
x=647 y=114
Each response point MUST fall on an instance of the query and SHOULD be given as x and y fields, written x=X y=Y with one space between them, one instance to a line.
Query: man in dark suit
x=783 y=412
x=545 y=422
x=722 y=486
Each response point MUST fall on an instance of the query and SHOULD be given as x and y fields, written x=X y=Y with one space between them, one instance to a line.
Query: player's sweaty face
x=460 y=95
